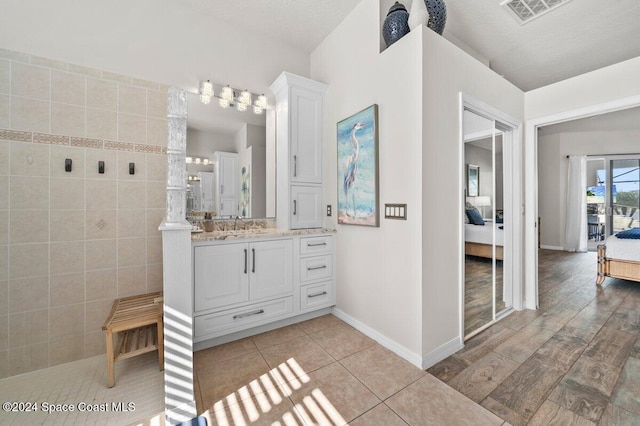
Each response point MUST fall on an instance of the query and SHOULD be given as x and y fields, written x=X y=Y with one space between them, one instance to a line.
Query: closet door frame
x=513 y=198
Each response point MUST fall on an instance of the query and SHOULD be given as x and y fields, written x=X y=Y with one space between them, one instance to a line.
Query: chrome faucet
x=235 y=225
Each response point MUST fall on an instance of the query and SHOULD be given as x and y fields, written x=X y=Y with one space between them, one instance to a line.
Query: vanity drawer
x=316 y=268
x=313 y=296
x=220 y=323
x=316 y=245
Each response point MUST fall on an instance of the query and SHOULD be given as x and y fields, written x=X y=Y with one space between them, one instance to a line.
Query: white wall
x=378 y=269
x=447 y=71
x=402 y=279
x=482 y=158
x=604 y=85
x=158 y=40
x=553 y=168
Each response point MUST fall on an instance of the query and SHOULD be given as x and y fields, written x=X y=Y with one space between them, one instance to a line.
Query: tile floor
x=138 y=381
x=323 y=371
x=574 y=361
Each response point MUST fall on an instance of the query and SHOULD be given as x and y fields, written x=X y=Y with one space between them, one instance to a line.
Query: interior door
x=487 y=289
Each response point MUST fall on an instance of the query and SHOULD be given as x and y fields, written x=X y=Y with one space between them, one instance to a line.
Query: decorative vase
x=437 y=15
x=418 y=14
x=396 y=24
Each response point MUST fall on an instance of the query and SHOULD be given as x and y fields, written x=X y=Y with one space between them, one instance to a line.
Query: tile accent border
x=45 y=138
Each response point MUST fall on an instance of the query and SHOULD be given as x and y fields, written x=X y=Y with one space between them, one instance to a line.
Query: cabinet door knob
x=295 y=165
x=253 y=268
x=317 y=294
x=295 y=205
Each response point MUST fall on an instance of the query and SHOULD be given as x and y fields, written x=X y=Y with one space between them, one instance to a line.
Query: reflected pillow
x=629 y=234
x=475 y=217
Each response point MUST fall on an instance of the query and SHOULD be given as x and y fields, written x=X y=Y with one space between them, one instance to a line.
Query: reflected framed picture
x=473 y=180
x=358 y=169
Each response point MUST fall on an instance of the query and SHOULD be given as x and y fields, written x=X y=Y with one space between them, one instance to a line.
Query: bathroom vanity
x=250 y=278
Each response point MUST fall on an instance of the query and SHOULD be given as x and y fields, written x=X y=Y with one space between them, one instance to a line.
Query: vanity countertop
x=256 y=233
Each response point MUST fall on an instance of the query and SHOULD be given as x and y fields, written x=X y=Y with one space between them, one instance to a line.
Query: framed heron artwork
x=358 y=169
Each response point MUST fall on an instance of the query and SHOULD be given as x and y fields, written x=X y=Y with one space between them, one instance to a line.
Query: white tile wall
x=72 y=242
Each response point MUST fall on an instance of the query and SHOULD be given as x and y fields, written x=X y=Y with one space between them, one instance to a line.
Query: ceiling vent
x=526 y=10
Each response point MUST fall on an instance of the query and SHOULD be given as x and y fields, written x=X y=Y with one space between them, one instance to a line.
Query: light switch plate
x=395 y=211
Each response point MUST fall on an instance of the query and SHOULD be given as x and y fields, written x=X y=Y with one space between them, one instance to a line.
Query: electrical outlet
x=328 y=209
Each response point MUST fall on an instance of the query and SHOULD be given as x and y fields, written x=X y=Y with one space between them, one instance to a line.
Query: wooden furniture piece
x=137 y=322
x=483 y=250
x=615 y=268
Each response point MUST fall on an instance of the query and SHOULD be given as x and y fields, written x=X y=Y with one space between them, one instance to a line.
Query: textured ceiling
x=578 y=37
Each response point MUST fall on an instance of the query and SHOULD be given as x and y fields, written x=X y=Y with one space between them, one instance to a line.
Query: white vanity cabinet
x=299 y=151
x=227 y=183
x=240 y=285
x=234 y=273
x=317 y=276
x=206 y=187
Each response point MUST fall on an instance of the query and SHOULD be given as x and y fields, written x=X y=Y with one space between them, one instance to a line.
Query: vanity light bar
x=197 y=160
x=230 y=97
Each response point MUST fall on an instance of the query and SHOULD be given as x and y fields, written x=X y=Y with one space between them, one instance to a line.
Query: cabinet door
x=306 y=209
x=306 y=136
x=228 y=165
x=271 y=269
x=207 y=183
x=221 y=275
x=228 y=207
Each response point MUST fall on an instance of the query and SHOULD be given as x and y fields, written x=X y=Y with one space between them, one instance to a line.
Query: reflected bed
x=478 y=240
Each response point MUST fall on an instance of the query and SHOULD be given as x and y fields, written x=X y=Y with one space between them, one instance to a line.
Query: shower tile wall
x=72 y=242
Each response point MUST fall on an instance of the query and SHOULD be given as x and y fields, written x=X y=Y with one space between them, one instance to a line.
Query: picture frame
x=358 y=186
x=473 y=180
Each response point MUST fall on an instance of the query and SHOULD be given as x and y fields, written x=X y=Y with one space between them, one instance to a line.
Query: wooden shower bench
x=137 y=322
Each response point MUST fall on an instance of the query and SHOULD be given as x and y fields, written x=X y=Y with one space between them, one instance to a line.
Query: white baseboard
x=394 y=347
x=441 y=353
x=546 y=247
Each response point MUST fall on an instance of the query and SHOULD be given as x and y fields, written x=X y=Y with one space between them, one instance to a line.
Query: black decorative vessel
x=396 y=24
x=437 y=15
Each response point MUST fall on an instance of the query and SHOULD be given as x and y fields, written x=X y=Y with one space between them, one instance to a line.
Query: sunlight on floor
x=249 y=403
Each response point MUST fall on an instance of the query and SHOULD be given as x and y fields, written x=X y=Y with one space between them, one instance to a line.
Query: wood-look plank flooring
x=574 y=361
x=478 y=294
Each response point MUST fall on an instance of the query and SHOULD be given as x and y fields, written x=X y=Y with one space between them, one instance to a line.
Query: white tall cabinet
x=299 y=151
x=227 y=183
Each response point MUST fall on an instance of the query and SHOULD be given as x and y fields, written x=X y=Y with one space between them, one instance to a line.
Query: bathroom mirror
x=210 y=129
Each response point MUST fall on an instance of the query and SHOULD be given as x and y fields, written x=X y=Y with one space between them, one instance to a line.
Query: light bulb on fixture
x=197 y=160
x=261 y=102
x=227 y=94
x=241 y=107
x=206 y=92
x=257 y=109
x=224 y=103
x=205 y=161
x=245 y=98
x=189 y=160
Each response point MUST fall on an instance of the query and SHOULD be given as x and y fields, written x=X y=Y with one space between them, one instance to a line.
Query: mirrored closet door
x=487 y=295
